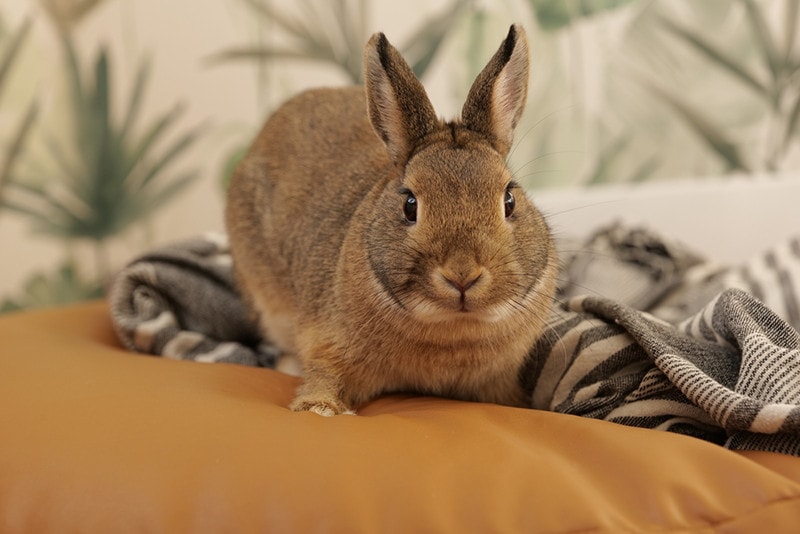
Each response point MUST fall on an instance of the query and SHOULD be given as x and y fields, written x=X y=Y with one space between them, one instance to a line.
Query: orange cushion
x=95 y=439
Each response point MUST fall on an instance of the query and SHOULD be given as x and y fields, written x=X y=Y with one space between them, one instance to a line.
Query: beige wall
x=179 y=35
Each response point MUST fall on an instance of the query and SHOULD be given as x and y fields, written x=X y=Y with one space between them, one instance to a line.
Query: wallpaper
x=121 y=120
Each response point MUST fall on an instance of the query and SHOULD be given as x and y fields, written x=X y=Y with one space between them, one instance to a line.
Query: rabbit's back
x=292 y=199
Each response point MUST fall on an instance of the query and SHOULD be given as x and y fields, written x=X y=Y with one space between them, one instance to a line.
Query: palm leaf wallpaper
x=121 y=120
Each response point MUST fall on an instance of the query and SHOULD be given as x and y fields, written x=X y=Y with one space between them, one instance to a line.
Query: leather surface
x=96 y=439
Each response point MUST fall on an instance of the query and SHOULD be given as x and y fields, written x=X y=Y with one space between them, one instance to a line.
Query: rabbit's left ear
x=496 y=100
x=399 y=108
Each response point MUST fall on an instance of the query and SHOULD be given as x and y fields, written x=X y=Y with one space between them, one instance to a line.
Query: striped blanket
x=644 y=332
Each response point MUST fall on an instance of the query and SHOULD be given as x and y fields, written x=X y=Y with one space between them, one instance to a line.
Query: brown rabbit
x=390 y=250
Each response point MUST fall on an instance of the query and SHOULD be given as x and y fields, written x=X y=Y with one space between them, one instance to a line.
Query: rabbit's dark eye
x=410 y=208
x=509 y=203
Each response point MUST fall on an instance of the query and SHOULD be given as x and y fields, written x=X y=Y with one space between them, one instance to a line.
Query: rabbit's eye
x=509 y=203
x=410 y=208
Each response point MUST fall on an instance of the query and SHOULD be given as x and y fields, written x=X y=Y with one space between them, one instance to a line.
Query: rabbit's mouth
x=480 y=302
x=463 y=310
x=452 y=296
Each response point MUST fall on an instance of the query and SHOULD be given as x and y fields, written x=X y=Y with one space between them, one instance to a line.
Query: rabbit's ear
x=497 y=97
x=399 y=109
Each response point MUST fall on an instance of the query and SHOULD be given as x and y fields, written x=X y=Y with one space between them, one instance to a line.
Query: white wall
x=727 y=220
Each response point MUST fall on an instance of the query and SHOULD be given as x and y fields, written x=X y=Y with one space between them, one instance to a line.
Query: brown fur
x=370 y=302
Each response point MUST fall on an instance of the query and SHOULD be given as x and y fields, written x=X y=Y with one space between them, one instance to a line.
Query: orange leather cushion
x=95 y=439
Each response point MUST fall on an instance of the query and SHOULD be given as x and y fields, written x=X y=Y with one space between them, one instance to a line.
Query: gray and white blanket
x=644 y=333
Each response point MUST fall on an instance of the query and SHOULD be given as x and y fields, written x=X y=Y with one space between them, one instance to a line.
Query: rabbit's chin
x=431 y=312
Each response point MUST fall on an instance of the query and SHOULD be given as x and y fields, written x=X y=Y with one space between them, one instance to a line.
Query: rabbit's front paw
x=323 y=407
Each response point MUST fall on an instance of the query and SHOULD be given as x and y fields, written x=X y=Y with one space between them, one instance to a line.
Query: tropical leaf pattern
x=621 y=91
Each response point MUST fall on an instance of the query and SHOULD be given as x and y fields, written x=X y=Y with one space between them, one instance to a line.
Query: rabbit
x=390 y=250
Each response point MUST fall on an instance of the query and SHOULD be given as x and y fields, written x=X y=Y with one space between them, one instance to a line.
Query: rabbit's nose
x=462 y=281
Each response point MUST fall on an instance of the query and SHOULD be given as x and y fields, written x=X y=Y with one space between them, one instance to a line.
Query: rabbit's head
x=452 y=235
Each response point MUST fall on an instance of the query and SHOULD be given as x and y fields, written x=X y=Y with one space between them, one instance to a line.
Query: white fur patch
x=289 y=365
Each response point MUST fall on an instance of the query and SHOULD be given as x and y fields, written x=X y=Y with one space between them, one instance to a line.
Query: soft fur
x=370 y=302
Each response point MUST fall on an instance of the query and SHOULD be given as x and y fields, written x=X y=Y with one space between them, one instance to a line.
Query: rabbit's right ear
x=399 y=108
x=495 y=102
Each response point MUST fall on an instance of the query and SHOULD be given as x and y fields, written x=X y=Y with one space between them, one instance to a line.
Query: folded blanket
x=180 y=302
x=665 y=339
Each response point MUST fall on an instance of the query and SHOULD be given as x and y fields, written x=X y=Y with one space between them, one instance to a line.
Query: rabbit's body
x=279 y=189
x=391 y=262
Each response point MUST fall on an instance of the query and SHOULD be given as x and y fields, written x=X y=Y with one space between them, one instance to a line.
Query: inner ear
x=398 y=106
x=497 y=98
